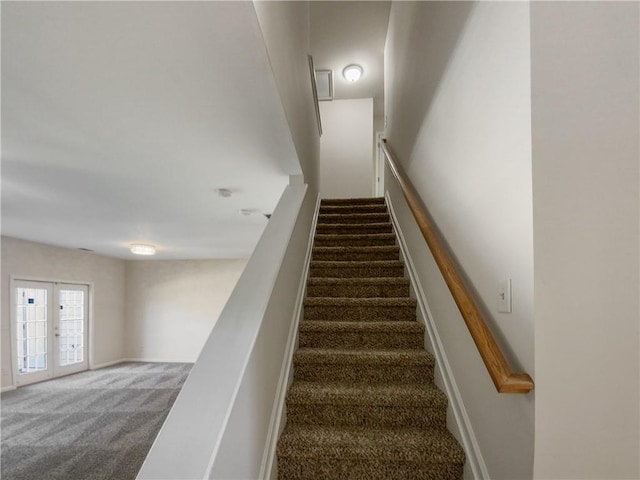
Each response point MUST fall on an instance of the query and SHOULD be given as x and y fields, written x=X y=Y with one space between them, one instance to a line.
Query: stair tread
x=350 y=239
x=329 y=236
x=356 y=263
x=355 y=208
x=392 y=444
x=358 y=281
x=369 y=357
x=355 y=253
x=354 y=228
x=352 y=201
x=355 y=225
x=397 y=326
x=359 y=249
x=361 y=302
x=327 y=217
x=410 y=395
x=338 y=206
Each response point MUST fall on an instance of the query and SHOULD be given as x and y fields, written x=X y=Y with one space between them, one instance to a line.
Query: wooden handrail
x=505 y=380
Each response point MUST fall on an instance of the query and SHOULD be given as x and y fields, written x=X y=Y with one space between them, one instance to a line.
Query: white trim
x=273 y=434
x=378 y=167
x=471 y=447
x=154 y=360
x=9 y=388
x=106 y=364
x=12 y=331
x=28 y=278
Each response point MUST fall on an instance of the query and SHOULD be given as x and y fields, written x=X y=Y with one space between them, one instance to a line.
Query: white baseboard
x=9 y=388
x=154 y=360
x=106 y=364
x=465 y=430
x=275 y=425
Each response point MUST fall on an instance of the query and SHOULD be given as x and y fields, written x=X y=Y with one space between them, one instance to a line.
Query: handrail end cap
x=516 y=383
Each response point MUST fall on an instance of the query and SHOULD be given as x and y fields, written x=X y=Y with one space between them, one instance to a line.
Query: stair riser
x=363 y=374
x=365 y=341
x=359 y=313
x=353 y=218
x=334 y=210
x=356 y=256
x=354 y=241
x=329 y=468
x=351 y=201
x=358 y=291
x=353 y=229
x=376 y=416
x=365 y=271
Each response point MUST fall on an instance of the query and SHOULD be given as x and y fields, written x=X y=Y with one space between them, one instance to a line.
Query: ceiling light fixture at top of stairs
x=352 y=73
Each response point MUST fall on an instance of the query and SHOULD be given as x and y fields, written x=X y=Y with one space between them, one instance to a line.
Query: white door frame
x=53 y=351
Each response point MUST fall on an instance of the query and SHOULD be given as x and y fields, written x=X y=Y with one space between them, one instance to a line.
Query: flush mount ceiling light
x=139 y=249
x=352 y=73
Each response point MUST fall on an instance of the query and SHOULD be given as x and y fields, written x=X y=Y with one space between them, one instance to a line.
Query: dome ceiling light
x=352 y=73
x=140 y=249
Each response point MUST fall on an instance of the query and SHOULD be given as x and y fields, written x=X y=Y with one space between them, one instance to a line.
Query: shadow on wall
x=438 y=45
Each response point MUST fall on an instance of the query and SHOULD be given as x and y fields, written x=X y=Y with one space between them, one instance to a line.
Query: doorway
x=49 y=329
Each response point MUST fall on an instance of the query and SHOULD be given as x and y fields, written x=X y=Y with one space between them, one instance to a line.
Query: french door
x=49 y=329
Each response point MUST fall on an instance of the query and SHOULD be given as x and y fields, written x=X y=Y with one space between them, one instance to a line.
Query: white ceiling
x=343 y=33
x=120 y=119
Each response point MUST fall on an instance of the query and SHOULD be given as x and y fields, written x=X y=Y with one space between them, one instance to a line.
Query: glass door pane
x=71 y=327
x=32 y=331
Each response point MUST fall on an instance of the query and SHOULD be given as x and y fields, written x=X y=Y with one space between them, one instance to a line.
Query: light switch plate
x=504 y=296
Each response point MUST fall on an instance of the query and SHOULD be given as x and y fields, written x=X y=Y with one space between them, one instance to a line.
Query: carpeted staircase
x=363 y=404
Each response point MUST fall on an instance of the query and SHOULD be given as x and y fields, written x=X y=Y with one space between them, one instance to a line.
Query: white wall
x=171 y=306
x=286 y=33
x=346 y=154
x=585 y=116
x=43 y=262
x=457 y=92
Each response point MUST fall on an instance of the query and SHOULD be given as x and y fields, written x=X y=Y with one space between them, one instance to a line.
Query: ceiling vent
x=324 y=84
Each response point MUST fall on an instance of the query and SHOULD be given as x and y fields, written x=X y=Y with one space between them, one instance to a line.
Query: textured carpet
x=363 y=404
x=93 y=425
